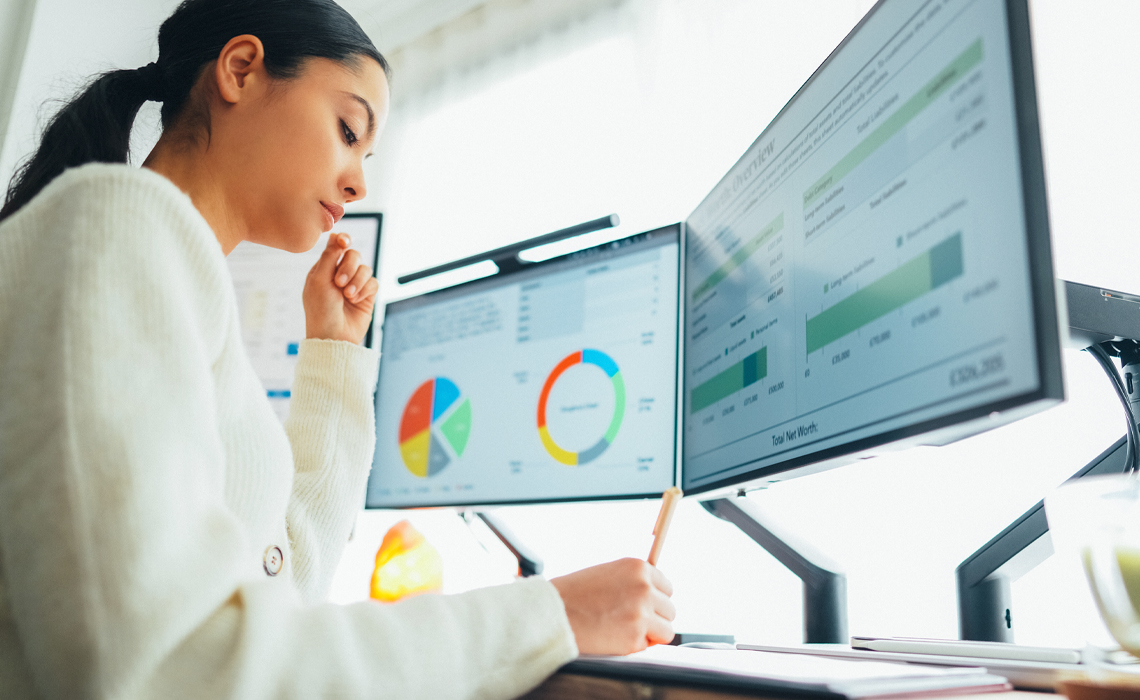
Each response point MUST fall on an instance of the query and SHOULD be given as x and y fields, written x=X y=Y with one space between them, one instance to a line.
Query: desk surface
x=570 y=686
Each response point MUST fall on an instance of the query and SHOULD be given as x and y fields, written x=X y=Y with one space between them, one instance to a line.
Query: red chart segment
x=435 y=415
x=566 y=363
x=417 y=412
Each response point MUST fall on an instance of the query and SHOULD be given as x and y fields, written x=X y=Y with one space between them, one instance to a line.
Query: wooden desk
x=569 y=686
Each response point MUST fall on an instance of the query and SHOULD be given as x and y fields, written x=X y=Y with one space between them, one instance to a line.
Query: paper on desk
x=791 y=667
x=814 y=674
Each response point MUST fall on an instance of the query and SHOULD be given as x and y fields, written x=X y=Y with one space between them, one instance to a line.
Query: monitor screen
x=557 y=382
x=876 y=267
x=268 y=283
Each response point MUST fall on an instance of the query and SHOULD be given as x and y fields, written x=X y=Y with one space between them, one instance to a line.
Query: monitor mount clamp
x=1098 y=318
x=530 y=564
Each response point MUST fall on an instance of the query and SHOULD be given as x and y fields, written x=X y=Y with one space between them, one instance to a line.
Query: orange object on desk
x=406 y=565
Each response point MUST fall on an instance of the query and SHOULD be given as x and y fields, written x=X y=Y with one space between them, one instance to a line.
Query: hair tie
x=151 y=78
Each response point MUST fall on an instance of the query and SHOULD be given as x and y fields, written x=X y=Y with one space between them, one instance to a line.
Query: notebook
x=787 y=674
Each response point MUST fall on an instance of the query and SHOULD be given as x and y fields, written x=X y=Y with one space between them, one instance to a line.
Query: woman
x=161 y=535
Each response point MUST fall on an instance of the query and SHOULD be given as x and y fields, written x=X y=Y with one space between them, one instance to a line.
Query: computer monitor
x=876 y=269
x=268 y=283
x=556 y=382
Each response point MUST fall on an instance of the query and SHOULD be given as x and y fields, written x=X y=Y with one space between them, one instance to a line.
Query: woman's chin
x=303 y=242
x=295 y=245
x=310 y=242
x=299 y=240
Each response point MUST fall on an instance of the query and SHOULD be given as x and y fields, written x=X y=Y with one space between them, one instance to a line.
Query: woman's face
x=292 y=151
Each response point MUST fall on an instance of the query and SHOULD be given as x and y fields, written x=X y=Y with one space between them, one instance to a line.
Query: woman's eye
x=349 y=136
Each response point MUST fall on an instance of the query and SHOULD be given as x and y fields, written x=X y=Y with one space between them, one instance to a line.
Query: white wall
x=15 y=23
x=71 y=41
x=1088 y=67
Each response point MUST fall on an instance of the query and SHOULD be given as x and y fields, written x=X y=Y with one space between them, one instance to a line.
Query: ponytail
x=95 y=127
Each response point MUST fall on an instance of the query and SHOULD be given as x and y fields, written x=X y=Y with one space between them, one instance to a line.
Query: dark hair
x=96 y=125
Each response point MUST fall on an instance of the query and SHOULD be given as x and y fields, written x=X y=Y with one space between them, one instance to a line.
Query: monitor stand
x=984 y=578
x=984 y=596
x=530 y=564
x=825 y=586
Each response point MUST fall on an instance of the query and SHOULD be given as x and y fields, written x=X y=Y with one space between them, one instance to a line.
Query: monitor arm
x=1097 y=317
x=530 y=564
x=825 y=586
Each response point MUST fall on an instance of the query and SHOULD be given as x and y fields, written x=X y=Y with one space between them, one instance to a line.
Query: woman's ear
x=240 y=65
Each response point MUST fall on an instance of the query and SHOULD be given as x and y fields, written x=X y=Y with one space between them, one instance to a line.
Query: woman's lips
x=334 y=213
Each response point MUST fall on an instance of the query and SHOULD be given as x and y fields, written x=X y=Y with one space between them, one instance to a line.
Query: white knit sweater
x=144 y=478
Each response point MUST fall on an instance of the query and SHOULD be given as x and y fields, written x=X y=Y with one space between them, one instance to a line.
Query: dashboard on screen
x=876 y=266
x=557 y=382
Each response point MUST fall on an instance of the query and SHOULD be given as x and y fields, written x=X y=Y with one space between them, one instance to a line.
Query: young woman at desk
x=161 y=535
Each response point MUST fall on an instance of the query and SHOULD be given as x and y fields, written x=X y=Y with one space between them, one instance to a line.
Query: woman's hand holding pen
x=618 y=608
x=339 y=298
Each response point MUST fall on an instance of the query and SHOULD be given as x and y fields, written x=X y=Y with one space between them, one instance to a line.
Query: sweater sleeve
x=126 y=573
x=332 y=430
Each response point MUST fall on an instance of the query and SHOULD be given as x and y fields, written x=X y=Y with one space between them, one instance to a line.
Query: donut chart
x=434 y=427
x=606 y=364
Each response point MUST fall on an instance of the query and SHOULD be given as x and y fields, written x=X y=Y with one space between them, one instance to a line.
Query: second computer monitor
x=554 y=383
x=876 y=268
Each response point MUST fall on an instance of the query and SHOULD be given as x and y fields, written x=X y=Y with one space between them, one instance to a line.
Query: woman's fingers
x=659 y=631
x=343 y=309
x=347 y=268
x=355 y=285
x=663 y=606
x=617 y=608
x=371 y=288
x=660 y=582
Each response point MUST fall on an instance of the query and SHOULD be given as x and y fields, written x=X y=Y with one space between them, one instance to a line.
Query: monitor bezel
x=1043 y=289
x=674 y=230
x=375 y=262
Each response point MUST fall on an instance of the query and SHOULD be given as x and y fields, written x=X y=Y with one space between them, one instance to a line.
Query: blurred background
x=512 y=118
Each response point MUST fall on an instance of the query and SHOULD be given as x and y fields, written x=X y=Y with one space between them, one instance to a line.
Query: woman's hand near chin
x=340 y=294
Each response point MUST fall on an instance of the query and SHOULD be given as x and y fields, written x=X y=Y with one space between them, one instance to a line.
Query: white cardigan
x=145 y=482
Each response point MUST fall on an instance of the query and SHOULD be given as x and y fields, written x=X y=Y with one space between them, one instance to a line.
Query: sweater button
x=273 y=560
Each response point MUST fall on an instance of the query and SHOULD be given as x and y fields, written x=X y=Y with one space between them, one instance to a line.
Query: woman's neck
x=192 y=170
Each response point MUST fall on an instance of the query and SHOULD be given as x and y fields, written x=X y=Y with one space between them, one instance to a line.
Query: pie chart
x=434 y=427
x=605 y=363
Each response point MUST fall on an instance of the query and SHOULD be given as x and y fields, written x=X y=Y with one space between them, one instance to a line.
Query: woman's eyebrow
x=367 y=108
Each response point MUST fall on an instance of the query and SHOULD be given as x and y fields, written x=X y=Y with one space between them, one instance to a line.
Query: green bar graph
x=930 y=92
x=740 y=256
x=927 y=272
x=742 y=374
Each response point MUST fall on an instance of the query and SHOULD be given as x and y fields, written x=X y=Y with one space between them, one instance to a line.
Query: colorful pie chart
x=435 y=427
x=606 y=364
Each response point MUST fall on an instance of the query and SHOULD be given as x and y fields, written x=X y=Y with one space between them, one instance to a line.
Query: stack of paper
x=789 y=674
